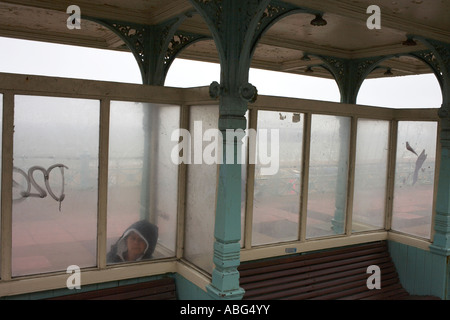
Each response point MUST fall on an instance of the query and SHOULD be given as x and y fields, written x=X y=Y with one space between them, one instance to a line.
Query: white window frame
x=105 y=92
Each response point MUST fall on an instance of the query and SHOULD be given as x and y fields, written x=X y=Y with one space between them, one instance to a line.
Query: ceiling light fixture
x=410 y=42
x=306 y=57
x=319 y=21
x=388 y=72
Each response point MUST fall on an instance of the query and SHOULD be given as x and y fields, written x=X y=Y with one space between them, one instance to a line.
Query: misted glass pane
x=414 y=178
x=142 y=181
x=369 y=197
x=276 y=204
x=55 y=184
x=201 y=188
x=328 y=174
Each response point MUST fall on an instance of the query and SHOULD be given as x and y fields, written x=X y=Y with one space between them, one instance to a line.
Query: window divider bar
x=436 y=177
x=105 y=107
x=351 y=176
x=250 y=185
x=392 y=158
x=182 y=185
x=7 y=184
x=305 y=176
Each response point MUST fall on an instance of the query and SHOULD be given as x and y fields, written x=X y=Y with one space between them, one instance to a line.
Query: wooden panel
x=420 y=271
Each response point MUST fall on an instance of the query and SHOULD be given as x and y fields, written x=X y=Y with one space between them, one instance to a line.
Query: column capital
x=154 y=47
x=350 y=73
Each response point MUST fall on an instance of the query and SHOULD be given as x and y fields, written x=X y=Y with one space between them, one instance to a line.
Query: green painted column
x=227 y=232
x=441 y=241
x=439 y=60
x=235 y=26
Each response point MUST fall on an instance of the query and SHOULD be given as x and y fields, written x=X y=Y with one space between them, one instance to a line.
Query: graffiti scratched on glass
x=41 y=191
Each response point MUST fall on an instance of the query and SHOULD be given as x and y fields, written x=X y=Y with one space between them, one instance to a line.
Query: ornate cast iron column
x=234 y=25
x=440 y=59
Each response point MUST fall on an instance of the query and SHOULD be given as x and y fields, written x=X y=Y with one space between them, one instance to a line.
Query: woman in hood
x=137 y=243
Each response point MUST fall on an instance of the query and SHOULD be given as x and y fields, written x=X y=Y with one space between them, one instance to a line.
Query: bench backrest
x=332 y=274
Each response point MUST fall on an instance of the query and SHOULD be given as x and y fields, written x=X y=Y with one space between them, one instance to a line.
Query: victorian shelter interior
x=82 y=160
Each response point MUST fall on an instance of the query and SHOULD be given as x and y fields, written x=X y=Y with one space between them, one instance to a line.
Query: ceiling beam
x=53 y=37
x=90 y=8
x=347 y=8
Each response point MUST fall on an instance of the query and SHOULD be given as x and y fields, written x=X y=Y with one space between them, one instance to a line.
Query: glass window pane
x=142 y=182
x=369 y=197
x=414 y=178
x=55 y=184
x=276 y=204
x=328 y=174
x=201 y=192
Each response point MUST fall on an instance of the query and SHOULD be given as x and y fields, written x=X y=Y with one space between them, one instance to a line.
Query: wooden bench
x=162 y=289
x=328 y=275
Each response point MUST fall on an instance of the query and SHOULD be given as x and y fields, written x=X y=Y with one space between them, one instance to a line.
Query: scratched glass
x=55 y=184
x=328 y=175
x=201 y=193
x=142 y=180
x=276 y=201
x=414 y=178
x=371 y=166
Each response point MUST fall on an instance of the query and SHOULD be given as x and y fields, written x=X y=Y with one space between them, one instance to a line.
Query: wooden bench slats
x=321 y=287
x=308 y=279
x=159 y=296
x=305 y=260
x=325 y=267
x=342 y=289
x=132 y=293
x=161 y=289
x=254 y=265
x=326 y=275
x=300 y=275
x=395 y=291
x=355 y=287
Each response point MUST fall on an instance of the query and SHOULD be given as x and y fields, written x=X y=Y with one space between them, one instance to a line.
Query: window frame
x=105 y=92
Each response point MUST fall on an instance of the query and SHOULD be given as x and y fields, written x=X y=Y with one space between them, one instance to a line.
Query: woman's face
x=136 y=246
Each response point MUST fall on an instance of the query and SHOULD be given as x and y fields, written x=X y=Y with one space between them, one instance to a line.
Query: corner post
x=439 y=60
x=441 y=241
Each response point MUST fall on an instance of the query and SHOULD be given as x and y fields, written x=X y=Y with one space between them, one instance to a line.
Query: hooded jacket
x=146 y=230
